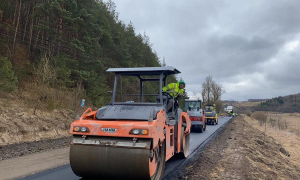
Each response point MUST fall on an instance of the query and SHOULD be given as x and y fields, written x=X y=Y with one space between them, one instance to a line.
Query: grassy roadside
x=284 y=128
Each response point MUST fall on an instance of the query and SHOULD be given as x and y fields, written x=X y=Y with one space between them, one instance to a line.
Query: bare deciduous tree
x=196 y=96
x=212 y=92
x=203 y=96
x=217 y=91
x=207 y=89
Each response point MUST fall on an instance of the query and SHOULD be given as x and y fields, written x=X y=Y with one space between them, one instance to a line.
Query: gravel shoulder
x=27 y=148
x=27 y=165
x=27 y=158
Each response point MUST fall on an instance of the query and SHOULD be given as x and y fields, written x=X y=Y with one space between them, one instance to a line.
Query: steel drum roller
x=110 y=162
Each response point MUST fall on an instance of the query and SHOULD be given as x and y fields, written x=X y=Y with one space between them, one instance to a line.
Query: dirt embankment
x=26 y=131
x=18 y=123
x=241 y=152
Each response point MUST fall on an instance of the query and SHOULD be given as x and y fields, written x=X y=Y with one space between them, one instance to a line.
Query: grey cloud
x=231 y=40
x=286 y=73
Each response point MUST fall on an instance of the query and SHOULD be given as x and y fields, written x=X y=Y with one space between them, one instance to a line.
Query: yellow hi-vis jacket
x=174 y=87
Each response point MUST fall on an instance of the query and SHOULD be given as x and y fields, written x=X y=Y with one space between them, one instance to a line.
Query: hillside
x=287 y=104
x=57 y=51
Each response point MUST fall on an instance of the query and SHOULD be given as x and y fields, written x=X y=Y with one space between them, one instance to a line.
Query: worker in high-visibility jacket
x=229 y=113
x=175 y=90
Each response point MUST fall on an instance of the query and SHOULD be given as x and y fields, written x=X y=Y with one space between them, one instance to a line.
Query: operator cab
x=209 y=108
x=192 y=105
x=145 y=99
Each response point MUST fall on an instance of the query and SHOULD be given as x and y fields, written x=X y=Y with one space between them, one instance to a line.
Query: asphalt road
x=196 y=139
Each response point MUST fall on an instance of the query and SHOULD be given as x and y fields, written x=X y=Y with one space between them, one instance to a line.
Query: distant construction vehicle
x=130 y=140
x=211 y=115
x=196 y=114
x=229 y=110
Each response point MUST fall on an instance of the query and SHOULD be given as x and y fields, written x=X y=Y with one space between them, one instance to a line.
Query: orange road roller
x=133 y=136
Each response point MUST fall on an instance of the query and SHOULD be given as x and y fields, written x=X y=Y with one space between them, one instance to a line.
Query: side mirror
x=190 y=108
x=198 y=108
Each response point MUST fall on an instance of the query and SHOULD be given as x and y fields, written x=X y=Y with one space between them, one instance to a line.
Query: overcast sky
x=250 y=47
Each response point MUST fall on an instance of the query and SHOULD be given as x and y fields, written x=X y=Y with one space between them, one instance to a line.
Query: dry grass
x=240 y=153
x=18 y=123
x=43 y=97
x=246 y=104
x=284 y=128
x=37 y=112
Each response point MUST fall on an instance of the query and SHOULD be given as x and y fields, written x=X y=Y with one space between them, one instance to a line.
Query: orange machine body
x=158 y=130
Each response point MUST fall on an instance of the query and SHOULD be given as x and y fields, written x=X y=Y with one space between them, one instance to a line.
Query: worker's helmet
x=182 y=82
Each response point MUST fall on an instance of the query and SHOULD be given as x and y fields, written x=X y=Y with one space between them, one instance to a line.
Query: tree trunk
x=1 y=15
x=25 y=28
x=60 y=31
x=42 y=40
x=31 y=27
x=37 y=38
x=15 y=14
x=47 y=33
x=76 y=35
x=18 y=21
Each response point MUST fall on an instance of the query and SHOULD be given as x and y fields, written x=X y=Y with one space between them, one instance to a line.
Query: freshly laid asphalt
x=196 y=139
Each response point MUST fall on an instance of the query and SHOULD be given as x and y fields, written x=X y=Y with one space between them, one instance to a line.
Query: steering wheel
x=167 y=94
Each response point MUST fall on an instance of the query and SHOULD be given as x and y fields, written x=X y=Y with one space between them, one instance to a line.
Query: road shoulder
x=27 y=165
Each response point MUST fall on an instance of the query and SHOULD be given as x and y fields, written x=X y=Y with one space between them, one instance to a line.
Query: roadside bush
x=272 y=122
x=282 y=124
x=248 y=113
x=219 y=106
x=45 y=73
x=260 y=116
x=8 y=79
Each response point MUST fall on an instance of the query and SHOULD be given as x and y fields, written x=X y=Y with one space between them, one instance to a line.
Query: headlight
x=80 y=129
x=139 y=131
x=135 y=131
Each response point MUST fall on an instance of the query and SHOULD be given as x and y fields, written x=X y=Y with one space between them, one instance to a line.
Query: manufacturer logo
x=109 y=130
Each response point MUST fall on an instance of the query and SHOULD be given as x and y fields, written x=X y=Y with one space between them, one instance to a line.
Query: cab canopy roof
x=144 y=71
x=192 y=100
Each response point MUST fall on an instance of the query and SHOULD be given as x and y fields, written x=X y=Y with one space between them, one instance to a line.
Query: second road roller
x=211 y=116
x=133 y=136
x=196 y=114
